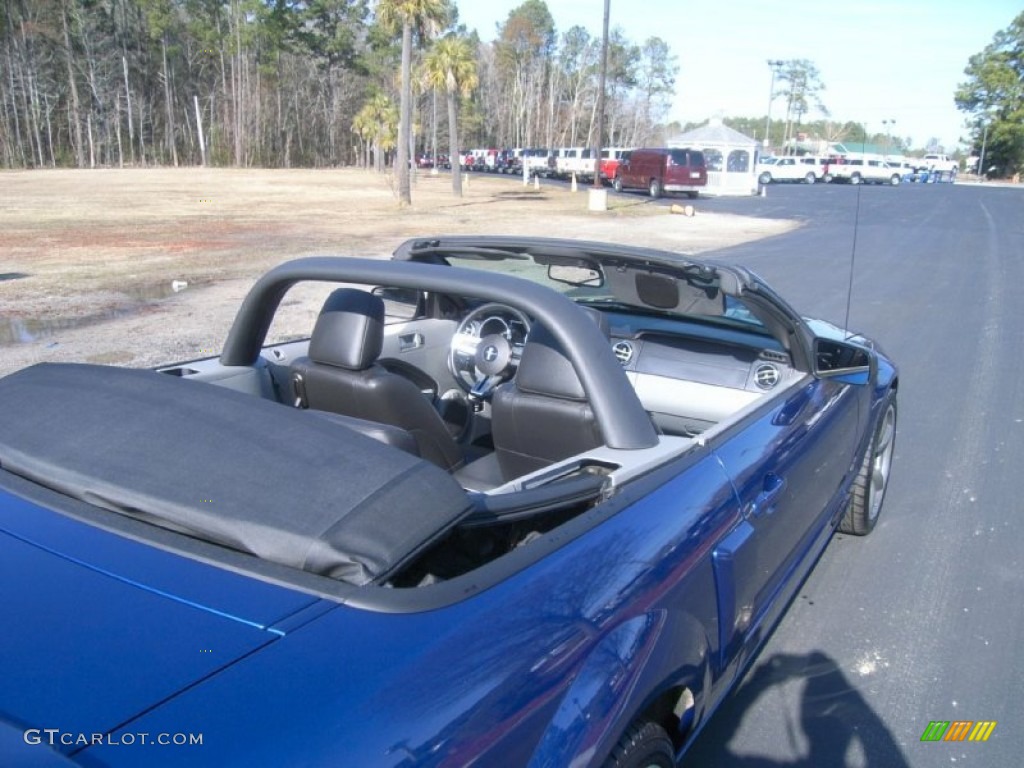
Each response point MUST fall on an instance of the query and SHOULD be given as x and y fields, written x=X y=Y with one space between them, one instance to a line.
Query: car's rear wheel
x=765 y=178
x=809 y=178
x=894 y=179
x=644 y=745
x=655 y=188
x=827 y=178
x=617 y=184
x=855 y=178
x=873 y=477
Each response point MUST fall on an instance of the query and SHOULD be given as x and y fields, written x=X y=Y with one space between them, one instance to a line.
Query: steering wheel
x=486 y=348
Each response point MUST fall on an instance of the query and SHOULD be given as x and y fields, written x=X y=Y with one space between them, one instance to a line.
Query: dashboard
x=689 y=384
x=688 y=375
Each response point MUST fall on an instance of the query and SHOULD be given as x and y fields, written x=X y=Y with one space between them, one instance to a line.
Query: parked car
x=553 y=156
x=663 y=170
x=485 y=160
x=286 y=551
x=805 y=168
x=829 y=166
x=536 y=161
x=508 y=161
x=610 y=159
x=865 y=169
x=578 y=161
x=941 y=163
x=910 y=169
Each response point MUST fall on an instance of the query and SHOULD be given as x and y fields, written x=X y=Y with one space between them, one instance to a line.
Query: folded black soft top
x=225 y=467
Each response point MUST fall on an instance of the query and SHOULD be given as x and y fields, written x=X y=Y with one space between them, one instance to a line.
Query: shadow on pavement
x=833 y=716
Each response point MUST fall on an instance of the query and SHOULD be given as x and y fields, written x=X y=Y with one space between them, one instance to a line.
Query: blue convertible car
x=516 y=502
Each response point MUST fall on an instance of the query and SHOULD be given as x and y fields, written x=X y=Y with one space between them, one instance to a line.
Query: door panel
x=422 y=344
x=788 y=468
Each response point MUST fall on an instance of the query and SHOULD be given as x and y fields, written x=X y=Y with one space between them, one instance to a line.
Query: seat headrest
x=349 y=332
x=545 y=370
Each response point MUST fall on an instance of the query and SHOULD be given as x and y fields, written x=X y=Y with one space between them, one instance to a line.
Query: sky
x=898 y=61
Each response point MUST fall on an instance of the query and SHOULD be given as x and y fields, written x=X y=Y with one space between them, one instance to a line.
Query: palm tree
x=364 y=127
x=376 y=121
x=426 y=15
x=450 y=65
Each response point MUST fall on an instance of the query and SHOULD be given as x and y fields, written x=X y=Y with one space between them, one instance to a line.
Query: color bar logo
x=958 y=730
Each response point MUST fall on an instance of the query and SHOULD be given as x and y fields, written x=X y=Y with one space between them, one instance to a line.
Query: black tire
x=827 y=178
x=855 y=178
x=655 y=189
x=643 y=745
x=894 y=180
x=617 y=184
x=693 y=194
x=765 y=178
x=810 y=178
x=873 y=476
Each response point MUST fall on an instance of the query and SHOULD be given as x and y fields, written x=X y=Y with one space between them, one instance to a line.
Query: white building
x=730 y=157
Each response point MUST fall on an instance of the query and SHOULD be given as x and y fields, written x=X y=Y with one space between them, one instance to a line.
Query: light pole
x=775 y=65
x=887 y=123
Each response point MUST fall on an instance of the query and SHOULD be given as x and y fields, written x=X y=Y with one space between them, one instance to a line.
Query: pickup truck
x=865 y=170
x=941 y=163
x=574 y=160
x=808 y=169
x=535 y=160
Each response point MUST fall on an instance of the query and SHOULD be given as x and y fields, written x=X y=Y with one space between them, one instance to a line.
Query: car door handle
x=765 y=502
x=410 y=341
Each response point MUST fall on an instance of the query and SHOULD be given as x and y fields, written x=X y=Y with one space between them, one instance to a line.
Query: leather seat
x=341 y=375
x=542 y=415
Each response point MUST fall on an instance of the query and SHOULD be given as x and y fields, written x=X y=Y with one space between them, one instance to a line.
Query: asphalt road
x=923 y=620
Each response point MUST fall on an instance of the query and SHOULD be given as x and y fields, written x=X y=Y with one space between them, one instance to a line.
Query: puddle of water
x=25 y=330
x=152 y=292
x=12 y=276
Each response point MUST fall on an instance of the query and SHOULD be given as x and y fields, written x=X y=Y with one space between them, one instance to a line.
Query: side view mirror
x=842 y=361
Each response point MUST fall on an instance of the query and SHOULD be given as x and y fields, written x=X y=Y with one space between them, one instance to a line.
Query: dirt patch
x=142 y=267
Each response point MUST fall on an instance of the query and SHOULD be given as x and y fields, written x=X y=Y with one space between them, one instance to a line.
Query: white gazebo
x=730 y=157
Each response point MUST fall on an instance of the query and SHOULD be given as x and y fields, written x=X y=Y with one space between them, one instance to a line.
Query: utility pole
x=981 y=160
x=776 y=65
x=600 y=99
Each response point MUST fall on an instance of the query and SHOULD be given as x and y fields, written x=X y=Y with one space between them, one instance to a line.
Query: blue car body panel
x=570 y=650
x=109 y=632
x=517 y=673
x=238 y=597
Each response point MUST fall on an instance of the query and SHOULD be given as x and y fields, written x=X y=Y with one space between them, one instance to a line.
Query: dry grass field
x=88 y=258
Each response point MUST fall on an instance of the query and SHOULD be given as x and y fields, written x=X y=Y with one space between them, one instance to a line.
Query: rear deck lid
x=99 y=628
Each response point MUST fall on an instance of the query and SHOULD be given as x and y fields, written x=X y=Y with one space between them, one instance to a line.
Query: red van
x=663 y=170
